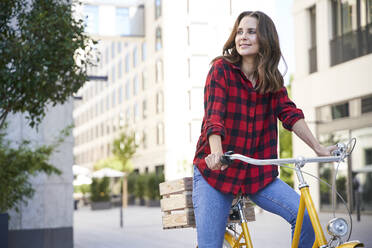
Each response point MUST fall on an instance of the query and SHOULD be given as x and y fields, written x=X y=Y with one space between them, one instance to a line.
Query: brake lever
x=225 y=158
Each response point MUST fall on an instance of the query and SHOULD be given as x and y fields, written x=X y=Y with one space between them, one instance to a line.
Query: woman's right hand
x=213 y=161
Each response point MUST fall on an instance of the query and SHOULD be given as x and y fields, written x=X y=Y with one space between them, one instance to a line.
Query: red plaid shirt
x=247 y=124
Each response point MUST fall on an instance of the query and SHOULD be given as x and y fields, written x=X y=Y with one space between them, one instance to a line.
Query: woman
x=244 y=97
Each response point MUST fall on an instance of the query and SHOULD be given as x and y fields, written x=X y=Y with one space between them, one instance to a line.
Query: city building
x=156 y=67
x=332 y=84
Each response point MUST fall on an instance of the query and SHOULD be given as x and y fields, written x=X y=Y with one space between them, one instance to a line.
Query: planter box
x=4 y=229
x=100 y=205
x=131 y=199
x=153 y=203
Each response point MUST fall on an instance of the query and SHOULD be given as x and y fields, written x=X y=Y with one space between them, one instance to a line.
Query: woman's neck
x=248 y=67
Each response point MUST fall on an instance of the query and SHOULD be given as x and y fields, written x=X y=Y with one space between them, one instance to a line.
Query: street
x=142 y=228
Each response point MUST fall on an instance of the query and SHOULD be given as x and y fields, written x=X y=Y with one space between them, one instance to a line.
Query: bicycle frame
x=306 y=202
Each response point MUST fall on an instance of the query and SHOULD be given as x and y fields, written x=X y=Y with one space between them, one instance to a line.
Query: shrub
x=140 y=186
x=152 y=186
x=131 y=180
x=100 y=189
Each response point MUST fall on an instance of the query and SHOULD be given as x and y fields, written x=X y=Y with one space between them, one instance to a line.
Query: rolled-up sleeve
x=287 y=111
x=215 y=102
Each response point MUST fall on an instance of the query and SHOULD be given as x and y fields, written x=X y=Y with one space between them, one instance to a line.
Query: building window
x=91 y=19
x=127 y=115
x=127 y=90
x=144 y=139
x=135 y=112
x=113 y=73
x=143 y=51
x=367 y=104
x=157 y=9
x=351 y=24
x=159 y=102
x=119 y=46
x=160 y=134
x=127 y=63
x=159 y=170
x=113 y=99
x=340 y=111
x=135 y=56
x=159 y=71
x=144 y=80
x=112 y=50
x=188 y=35
x=312 y=50
x=120 y=94
x=189 y=98
x=144 y=109
x=135 y=85
x=158 y=40
x=122 y=23
x=107 y=103
x=368 y=156
x=119 y=69
x=106 y=55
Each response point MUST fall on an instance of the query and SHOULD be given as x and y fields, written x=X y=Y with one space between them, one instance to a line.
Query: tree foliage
x=100 y=189
x=113 y=162
x=285 y=151
x=44 y=56
x=124 y=148
x=18 y=164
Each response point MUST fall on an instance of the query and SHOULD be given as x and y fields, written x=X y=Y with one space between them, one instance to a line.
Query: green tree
x=44 y=56
x=18 y=164
x=124 y=148
x=285 y=148
x=112 y=162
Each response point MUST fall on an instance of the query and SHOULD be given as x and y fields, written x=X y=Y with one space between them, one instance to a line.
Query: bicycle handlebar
x=342 y=151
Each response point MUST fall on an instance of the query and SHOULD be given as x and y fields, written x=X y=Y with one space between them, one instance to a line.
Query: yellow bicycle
x=337 y=228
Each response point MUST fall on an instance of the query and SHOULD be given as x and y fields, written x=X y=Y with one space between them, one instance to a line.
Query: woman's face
x=246 y=42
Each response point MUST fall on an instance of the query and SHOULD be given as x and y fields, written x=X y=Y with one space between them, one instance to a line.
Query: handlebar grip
x=225 y=159
x=341 y=149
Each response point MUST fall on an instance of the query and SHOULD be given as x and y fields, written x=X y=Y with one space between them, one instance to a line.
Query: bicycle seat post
x=241 y=213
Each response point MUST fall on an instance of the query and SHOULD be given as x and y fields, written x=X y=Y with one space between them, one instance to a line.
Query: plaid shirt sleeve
x=288 y=113
x=215 y=102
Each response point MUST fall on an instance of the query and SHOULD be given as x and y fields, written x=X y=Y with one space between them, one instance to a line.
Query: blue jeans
x=211 y=208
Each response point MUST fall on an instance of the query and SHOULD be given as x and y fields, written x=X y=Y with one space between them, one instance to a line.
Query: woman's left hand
x=325 y=151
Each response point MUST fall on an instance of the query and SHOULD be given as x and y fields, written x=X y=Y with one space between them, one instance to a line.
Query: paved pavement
x=142 y=228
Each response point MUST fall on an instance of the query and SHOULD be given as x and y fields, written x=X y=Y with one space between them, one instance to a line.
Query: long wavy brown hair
x=269 y=77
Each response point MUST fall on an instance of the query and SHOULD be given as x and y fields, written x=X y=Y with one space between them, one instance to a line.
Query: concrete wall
x=47 y=220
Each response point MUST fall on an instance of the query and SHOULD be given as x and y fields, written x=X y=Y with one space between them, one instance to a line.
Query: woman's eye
x=240 y=32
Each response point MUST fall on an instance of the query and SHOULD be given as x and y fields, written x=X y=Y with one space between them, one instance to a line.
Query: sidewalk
x=142 y=228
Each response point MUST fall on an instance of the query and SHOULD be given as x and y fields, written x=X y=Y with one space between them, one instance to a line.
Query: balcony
x=351 y=45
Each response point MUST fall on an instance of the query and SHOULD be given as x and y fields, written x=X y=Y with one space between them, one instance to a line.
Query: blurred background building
x=156 y=55
x=332 y=84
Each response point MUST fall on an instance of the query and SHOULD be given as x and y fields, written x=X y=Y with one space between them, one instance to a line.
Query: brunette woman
x=244 y=97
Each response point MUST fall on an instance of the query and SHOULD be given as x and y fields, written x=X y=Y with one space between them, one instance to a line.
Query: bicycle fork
x=306 y=202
